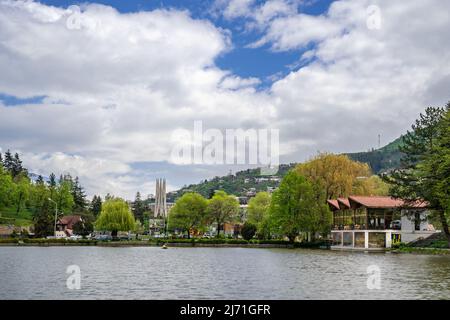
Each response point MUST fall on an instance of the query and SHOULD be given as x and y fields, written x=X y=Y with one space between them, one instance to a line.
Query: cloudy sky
x=99 y=92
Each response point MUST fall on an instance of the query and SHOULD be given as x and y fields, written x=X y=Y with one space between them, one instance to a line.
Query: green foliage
x=189 y=212
x=435 y=169
x=79 y=196
x=425 y=169
x=258 y=208
x=337 y=175
x=115 y=216
x=138 y=208
x=6 y=188
x=84 y=227
x=237 y=184
x=222 y=208
x=383 y=159
x=64 y=196
x=96 y=206
x=258 y=213
x=298 y=206
x=44 y=220
x=21 y=191
x=248 y=231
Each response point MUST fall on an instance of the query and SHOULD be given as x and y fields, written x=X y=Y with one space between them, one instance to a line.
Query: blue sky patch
x=9 y=100
x=261 y=62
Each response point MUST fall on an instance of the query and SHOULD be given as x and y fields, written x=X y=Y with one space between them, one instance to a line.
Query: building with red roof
x=64 y=226
x=376 y=222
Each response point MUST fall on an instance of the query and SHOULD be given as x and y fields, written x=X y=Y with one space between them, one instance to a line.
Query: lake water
x=218 y=273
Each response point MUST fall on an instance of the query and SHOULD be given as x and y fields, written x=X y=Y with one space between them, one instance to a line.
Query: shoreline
x=189 y=244
x=160 y=244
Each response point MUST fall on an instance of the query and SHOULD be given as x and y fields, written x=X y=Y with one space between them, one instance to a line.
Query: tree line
x=39 y=199
x=297 y=208
x=424 y=173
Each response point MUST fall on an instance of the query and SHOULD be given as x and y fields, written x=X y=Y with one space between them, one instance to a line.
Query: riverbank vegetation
x=424 y=174
x=27 y=200
x=296 y=211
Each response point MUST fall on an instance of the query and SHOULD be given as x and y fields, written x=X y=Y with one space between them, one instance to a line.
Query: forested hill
x=239 y=184
x=250 y=181
x=383 y=159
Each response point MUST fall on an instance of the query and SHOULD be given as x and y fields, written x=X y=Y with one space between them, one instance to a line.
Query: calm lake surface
x=218 y=273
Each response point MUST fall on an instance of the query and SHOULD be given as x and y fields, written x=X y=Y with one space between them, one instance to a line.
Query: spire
x=160 y=199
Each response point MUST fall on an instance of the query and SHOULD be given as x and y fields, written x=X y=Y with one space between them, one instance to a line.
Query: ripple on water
x=217 y=273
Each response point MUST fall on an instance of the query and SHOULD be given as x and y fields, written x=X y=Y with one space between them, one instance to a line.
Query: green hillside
x=9 y=216
x=239 y=184
x=383 y=159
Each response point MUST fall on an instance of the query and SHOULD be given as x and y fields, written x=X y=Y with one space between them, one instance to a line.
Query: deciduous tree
x=298 y=206
x=188 y=213
x=222 y=208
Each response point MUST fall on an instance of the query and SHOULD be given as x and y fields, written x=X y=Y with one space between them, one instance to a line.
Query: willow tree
x=115 y=216
x=338 y=175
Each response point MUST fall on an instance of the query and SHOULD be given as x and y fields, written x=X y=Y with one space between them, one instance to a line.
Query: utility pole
x=56 y=214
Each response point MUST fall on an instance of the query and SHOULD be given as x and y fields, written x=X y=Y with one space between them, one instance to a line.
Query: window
x=348 y=239
x=377 y=240
x=337 y=238
x=360 y=239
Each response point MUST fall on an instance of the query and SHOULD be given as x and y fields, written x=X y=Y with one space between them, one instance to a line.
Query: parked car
x=75 y=237
x=103 y=237
x=124 y=237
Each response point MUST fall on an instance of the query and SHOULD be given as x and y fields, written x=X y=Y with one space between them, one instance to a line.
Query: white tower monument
x=160 y=199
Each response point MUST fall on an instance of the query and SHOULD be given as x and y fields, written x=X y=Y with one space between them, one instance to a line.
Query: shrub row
x=242 y=241
x=48 y=241
x=8 y=240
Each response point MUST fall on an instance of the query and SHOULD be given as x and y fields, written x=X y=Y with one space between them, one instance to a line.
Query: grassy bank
x=9 y=216
x=434 y=251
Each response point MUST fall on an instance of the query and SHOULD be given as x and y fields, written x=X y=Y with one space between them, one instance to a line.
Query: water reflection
x=218 y=273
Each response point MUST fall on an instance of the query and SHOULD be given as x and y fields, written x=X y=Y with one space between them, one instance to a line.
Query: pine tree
x=8 y=163
x=418 y=144
x=17 y=167
x=44 y=220
x=40 y=180
x=419 y=177
x=434 y=173
x=96 y=206
x=64 y=194
x=79 y=196
x=52 y=180
x=52 y=184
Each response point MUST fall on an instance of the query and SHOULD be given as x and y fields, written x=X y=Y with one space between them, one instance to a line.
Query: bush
x=248 y=231
x=8 y=240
